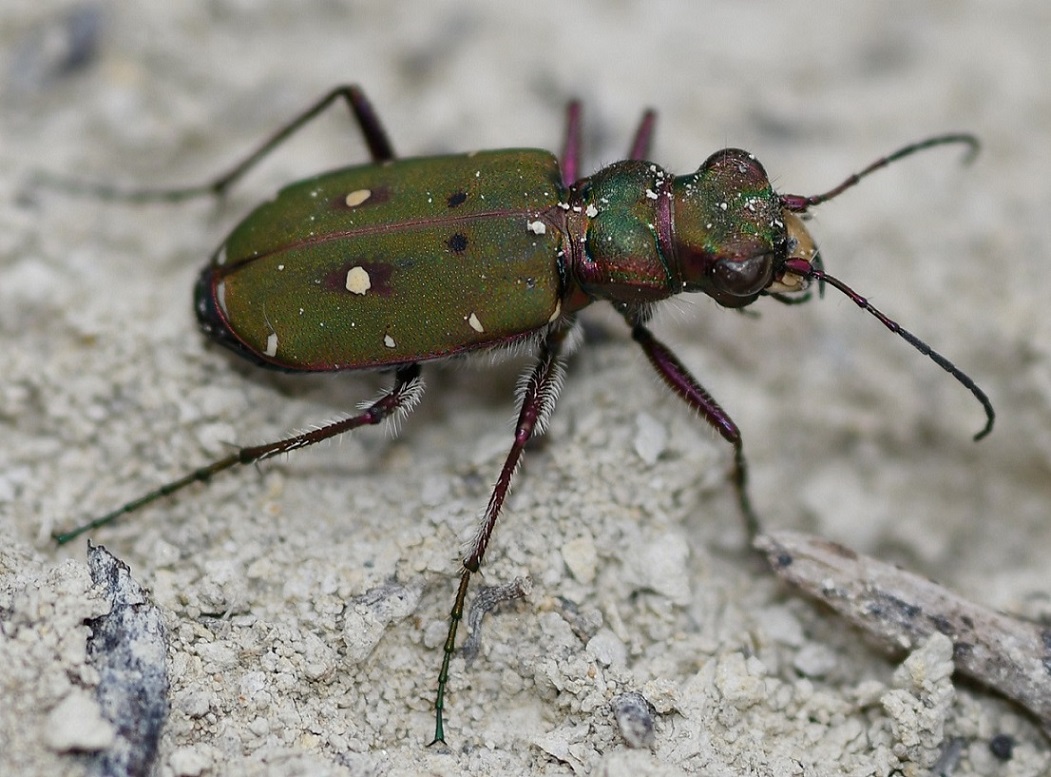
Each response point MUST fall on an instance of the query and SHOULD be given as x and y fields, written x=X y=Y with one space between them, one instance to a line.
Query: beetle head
x=733 y=235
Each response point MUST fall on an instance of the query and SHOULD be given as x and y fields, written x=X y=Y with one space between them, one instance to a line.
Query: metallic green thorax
x=628 y=207
x=388 y=264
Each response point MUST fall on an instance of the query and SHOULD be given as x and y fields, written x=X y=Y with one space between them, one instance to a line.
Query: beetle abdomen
x=390 y=264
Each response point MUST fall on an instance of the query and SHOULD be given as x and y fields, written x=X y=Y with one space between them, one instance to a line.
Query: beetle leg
x=379 y=144
x=399 y=399
x=784 y=299
x=696 y=396
x=640 y=146
x=539 y=391
x=570 y=161
x=375 y=136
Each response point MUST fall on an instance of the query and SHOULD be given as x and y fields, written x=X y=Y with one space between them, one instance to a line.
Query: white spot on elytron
x=537 y=227
x=723 y=205
x=388 y=341
x=280 y=267
x=592 y=211
x=356 y=197
x=220 y=257
x=220 y=296
x=557 y=312
x=271 y=344
x=476 y=325
x=650 y=194
x=358 y=280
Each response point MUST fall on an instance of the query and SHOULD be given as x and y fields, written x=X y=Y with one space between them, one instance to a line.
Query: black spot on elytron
x=456 y=199
x=457 y=243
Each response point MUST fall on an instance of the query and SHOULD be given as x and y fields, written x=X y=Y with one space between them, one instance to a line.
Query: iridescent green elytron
x=377 y=266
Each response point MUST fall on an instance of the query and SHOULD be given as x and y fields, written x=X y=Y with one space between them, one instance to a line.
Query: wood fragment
x=900 y=609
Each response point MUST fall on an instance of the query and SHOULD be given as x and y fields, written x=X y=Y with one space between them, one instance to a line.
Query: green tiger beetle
x=401 y=261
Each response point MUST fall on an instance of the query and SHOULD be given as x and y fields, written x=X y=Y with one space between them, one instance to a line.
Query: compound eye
x=743 y=277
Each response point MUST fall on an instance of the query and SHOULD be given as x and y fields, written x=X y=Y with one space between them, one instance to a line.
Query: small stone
x=581 y=558
x=77 y=725
x=651 y=438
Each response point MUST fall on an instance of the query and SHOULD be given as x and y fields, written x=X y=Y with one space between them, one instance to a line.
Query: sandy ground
x=306 y=601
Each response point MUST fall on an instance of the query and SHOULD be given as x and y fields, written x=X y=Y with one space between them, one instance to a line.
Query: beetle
x=398 y=262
